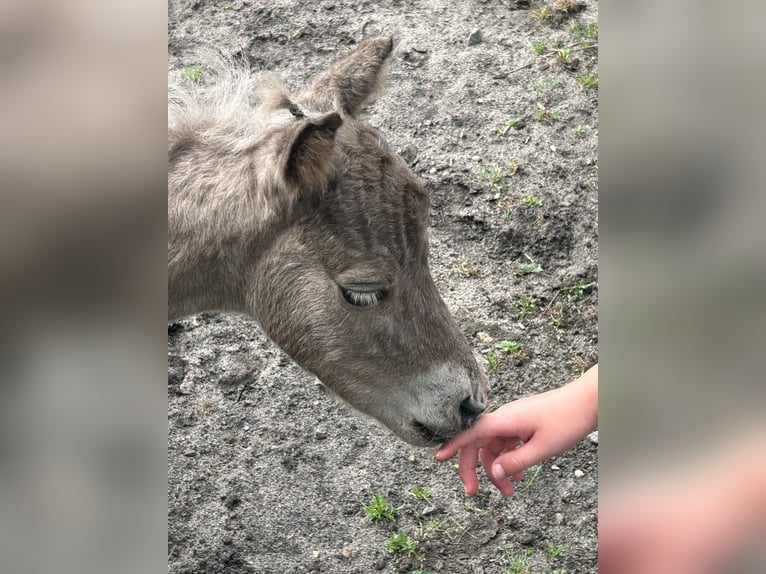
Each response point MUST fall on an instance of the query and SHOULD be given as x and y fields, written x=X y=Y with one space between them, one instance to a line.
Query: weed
x=421 y=493
x=563 y=54
x=539 y=48
x=566 y=6
x=579 y=131
x=400 y=545
x=554 y=550
x=525 y=307
x=584 y=31
x=545 y=85
x=530 y=478
x=466 y=270
x=519 y=564
x=193 y=74
x=502 y=130
x=508 y=347
x=532 y=201
x=492 y=362
x=493 y=177
x=379 y=509
x=528 y=268
x=544 y=14
x=557 y=320
x=588 y=81
x=577 y=291
x=514 y=167
x=546 y=116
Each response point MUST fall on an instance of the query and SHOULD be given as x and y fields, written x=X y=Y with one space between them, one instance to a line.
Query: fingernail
x=498 y=472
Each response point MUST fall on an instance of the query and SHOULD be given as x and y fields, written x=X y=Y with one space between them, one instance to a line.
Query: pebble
x=191 y=453
x=320 y=434
x=186 y=387
x=593 y=437
x=578 y=473
x=558 y=518
x=555 y=467
x=346 y=552
x=474 y=37
x=476 y=158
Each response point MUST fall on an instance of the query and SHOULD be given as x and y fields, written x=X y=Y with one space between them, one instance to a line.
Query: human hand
x=525 y=432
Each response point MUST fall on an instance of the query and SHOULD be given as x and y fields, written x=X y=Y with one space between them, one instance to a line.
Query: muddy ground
x=267 y=471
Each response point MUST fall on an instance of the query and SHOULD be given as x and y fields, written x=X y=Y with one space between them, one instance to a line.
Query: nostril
x=470 y=411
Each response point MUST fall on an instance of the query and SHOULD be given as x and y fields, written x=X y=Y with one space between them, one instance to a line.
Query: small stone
x=229 y=437
x=432 y=170
x=578 y=473
x=315 y=554
x=346 y=552
x=380 y=562
x=411 y=457
x=431 y=509
x=320 y=434
x=476 y=158
x=593 y=437
x=558 y=518
x=474 y=37
x=191 y=453
x=186 y=387
x=555 y=467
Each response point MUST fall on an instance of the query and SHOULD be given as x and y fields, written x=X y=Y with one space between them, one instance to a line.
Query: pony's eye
x=363 y=298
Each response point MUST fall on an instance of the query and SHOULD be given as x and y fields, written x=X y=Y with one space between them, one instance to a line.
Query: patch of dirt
x=267 y=471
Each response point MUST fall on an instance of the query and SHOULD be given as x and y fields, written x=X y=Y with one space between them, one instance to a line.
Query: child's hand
x=525 y=432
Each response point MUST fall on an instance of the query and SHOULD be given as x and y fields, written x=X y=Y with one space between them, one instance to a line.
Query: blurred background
x=82 y=260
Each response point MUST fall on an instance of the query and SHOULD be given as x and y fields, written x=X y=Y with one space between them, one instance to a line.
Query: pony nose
x=470 y=411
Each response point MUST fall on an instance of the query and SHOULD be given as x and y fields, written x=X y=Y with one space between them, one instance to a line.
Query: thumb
x=514 y=462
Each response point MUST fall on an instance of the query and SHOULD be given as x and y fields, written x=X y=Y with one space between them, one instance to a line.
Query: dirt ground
x=267 y=471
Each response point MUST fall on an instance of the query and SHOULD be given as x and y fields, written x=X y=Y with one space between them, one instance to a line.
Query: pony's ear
x=307 y=157
x=348 y=84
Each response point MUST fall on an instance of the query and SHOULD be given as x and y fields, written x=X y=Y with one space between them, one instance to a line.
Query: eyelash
x=363 y=298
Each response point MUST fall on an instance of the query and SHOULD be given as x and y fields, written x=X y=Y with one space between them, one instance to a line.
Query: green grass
x=492 y=362
x=584 y=31
x=502 y=130
x=528 y=268
x=379 y=509
x=532 y=201
x=563 y=55
x=421 y=493
x=530 y=477
x=554 y=550
x=493 y=177
x=578 y=290
x=193 y=74
x=400 y=545
x=539 y=48
x=546 y=116
x=508 y=347
x=580 y=131
x=519 y=564
x=587 y=81
x=526 y=306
